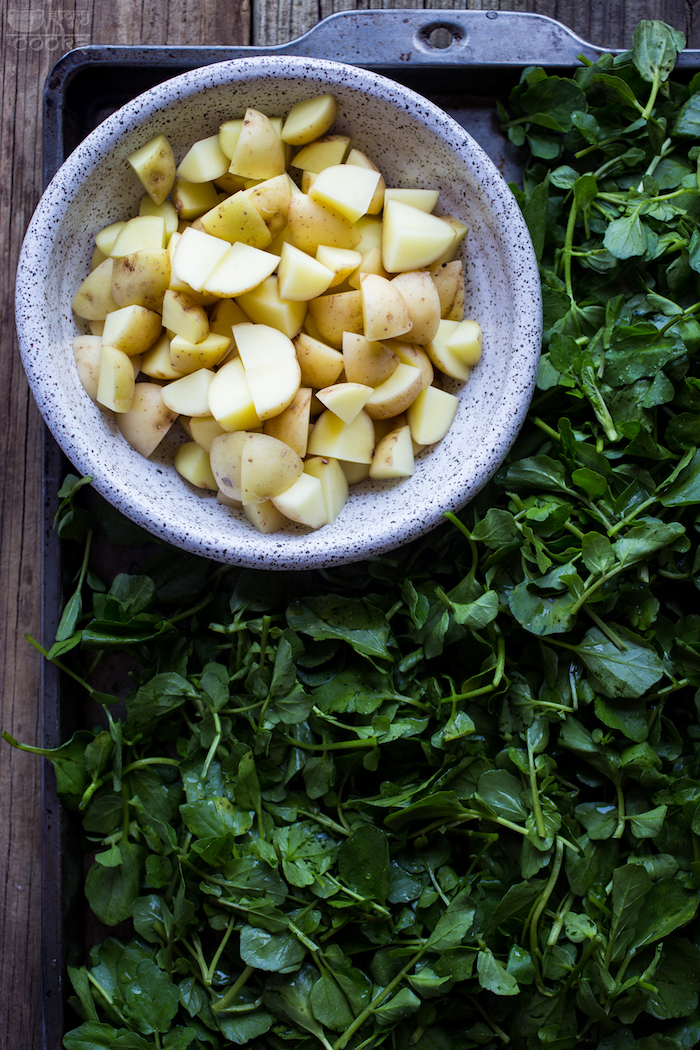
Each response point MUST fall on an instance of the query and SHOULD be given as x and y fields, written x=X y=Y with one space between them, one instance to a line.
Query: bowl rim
x=289 y=549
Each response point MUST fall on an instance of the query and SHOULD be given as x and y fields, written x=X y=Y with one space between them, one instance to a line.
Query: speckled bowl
x=415 y=144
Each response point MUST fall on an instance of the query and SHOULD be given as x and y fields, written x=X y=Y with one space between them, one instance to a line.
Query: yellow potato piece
x=309 y=119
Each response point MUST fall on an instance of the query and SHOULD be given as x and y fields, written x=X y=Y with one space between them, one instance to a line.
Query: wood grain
x=34 y=34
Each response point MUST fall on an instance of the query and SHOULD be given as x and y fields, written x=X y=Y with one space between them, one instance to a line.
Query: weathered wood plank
x=606 y=23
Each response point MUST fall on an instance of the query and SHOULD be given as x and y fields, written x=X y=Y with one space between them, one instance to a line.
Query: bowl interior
x=414 y=144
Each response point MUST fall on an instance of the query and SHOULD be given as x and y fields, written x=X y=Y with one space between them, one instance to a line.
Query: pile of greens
x=449 y=798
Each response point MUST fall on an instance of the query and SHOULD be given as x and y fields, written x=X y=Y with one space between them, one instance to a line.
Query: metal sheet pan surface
x=464 y=61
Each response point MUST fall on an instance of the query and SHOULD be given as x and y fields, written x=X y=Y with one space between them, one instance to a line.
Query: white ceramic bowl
x=414 y=143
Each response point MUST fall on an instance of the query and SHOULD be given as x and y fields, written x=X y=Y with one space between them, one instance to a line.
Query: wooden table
x=35 y=34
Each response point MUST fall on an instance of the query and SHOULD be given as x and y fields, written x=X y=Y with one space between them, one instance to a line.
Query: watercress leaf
x=515 y=902
x=493 y=975
x=597 y=552
x=245 y=1027
x=627 y=715
x=645 y=539
x=479 y=613
x=363 y=862
x=587 y=124
x=500 y=790
x=647 y=825
x=179 y=1038
x=551 y=101
x=153 y=701
x=282 y=952
x=398 y=1007
x=152 y=918
x=357 y=622
x=307 y=851
x=534 y=209
x=111 y=858
x=152 y=998
x=215 y=683
x=92 y=1035
x=81 y=983
x=616 y=86
x=453 y=925
x=541 y=614
x=630 y=889
x=668 y=905
x=564 y=177
x=520 y=965
x=626 y=238
x=215 y=817
x=111 y=891
x=329 y=1004
x=538 y=472
x=289 y=997
x=351 y=691
x=592 y=483
x=68 y=761
x=687 y=122
x=628 y=672
x=655 y=49
x=685 y=490
x=555 y=305
x=600 y=819
x=676 y=981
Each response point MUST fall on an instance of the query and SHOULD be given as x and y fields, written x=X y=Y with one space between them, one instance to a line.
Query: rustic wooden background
x=34 y=34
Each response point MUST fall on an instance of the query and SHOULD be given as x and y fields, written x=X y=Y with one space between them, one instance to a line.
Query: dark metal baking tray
x=462 y=60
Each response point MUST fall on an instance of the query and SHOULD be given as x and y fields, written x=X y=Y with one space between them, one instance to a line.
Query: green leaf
x=307 y=851
x=647 y=825
x=667 y=906
x=363 y=862
x=479 y=613
x=655 y=49
x=111 y=891
x=630 y=889
x=81 y=983
x=398 y=1007
x=152 y=998
x=676 y=981
x=493 y=975
x=453 y=925
x=93 y=1035
x=501 y=791
x=541 y=614
x=619 y=672
x=156 y=700
x=685 y=491
x=616 y=86
x=290 y=997
x=645 y=539
x=598 y=818
x=626 y=238
x=687 y=122
x=329 y=1004
x=282 y=952
x=534 y=209
x=538 y=472
x=245 y=1027
x=597 y=552
x=551 y=101
x=68 y=761
x=359 y=623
